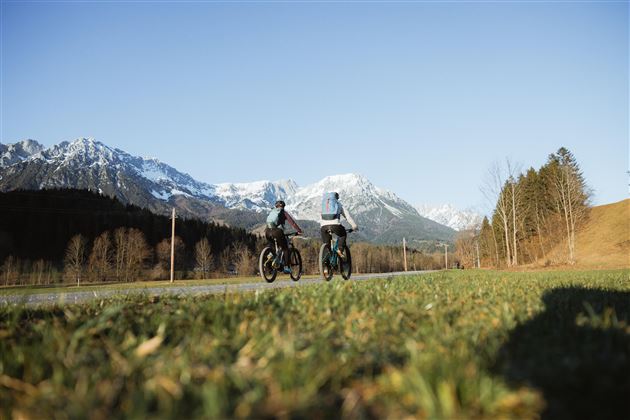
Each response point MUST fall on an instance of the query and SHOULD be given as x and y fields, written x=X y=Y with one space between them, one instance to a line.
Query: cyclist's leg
x=326 y=237
x=269 y=237
x=340 y=231
x=278 y=234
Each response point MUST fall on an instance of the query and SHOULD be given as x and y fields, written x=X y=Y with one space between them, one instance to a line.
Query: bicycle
x=329 y=260
x=271 y=261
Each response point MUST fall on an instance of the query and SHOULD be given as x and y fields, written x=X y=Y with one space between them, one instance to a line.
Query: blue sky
x=420 y=97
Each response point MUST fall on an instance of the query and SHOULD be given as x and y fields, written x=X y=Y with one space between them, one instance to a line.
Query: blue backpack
x=331 y=208
x=273 y=220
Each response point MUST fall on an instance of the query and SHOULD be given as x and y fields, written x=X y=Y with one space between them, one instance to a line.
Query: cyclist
x=332 y=210
x=275 y=230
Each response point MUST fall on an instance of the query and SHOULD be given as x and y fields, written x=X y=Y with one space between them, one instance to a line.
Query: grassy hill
x=604 y=242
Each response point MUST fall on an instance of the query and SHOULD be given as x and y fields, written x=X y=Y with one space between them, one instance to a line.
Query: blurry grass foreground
x=443 y=345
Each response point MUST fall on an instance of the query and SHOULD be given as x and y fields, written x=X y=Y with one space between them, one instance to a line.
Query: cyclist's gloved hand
x=299 y=232
x=355 y=228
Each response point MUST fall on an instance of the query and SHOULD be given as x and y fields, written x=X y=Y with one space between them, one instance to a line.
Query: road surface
x=78 y=297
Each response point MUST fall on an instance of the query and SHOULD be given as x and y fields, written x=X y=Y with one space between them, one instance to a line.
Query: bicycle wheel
x=345 y=266
x=295 y=262
x=325 y=270
x=267 y=272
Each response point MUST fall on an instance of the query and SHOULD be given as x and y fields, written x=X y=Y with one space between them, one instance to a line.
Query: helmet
x=280 y=203
x=337 y=195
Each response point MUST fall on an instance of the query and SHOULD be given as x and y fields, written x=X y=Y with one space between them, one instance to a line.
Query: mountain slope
x=149 y=183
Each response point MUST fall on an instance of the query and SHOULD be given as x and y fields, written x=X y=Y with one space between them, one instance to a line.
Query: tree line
x=124 y=255
x=75 y=236
x=534 y=212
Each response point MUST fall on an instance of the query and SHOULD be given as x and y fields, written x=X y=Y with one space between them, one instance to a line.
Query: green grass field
x=443 y=345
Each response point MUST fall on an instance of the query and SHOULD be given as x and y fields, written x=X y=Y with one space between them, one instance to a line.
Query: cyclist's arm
x=292 y=222
x=349 y=218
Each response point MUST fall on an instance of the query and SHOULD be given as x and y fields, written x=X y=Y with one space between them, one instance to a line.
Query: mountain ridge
x=449 y=215
x=89 y=164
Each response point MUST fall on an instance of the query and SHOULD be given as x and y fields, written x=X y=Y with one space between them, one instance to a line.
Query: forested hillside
x=37 y=226
x=536 y=211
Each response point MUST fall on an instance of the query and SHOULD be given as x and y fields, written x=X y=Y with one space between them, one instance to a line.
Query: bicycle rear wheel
x=295 y=262
x=325 y=270
x=345 y=265
x=267 y=272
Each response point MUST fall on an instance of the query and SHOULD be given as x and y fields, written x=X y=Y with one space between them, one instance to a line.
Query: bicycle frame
x=278 y=261
x=334 y=247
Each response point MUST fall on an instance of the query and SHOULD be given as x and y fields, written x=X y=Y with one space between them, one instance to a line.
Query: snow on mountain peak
x=346 y=185
x=449 y=215
x=257 y=195
x=13 y=153
x=83 y=148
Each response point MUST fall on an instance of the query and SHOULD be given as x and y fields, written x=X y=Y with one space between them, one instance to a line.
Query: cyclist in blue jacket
x=332 y=210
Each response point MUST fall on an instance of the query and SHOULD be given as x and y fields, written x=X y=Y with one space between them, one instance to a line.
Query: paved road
x=77 y=297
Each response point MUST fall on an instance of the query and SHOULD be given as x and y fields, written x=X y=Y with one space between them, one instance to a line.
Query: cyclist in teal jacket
x=275 y=230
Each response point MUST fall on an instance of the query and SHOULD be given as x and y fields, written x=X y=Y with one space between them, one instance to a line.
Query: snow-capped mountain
x=88 y=164
x=450 y=216
x=357 y=194
x=258 y=196
x=380 y=214
x=11 y=154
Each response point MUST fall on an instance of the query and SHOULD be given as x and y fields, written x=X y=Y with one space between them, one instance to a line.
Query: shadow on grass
x=576 y=352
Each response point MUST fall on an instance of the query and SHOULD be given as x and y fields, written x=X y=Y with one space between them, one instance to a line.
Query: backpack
x=331 y=209
x=273 y=220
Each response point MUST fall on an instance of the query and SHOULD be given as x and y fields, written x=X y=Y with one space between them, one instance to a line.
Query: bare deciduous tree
x=571 y=195
x=120 y=253
x=243 y=259
x=37 y=272
x=137 y=254
x=226 y=260
x=502 y=188
x=203 y=257
x=100 y=260
x=465 y=247
x=493 y=189
x=10 y=270
x=131 y=252
x=75 y=258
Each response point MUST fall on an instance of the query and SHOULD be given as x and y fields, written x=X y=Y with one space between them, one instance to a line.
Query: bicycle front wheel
x=325 y=269
x=267 y=272
x=345 y=265
x=295 y=262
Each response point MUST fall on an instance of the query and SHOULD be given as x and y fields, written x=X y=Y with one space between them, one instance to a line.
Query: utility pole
x=405 y=253
x=445 y=256
x=173 y=248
